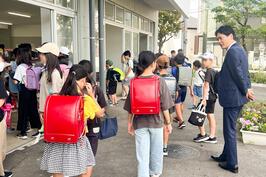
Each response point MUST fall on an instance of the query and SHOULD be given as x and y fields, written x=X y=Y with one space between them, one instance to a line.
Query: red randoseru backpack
x=145 y=95
x=63 y=119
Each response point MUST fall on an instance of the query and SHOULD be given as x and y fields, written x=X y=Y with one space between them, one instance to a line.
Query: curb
x=258 y=85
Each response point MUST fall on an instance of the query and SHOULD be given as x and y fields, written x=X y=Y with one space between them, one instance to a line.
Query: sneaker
x=23 y=137
x=182 y=125
x=8 y=174
x=10 y=130
x=28 y=130
x=165 y=152
x=201 y=138
x=175 y=120
x=37 y=134
x=211 y=140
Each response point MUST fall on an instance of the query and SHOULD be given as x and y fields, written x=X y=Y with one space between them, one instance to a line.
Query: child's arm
x=130 y=128
x=167 y=120
x=206 y=88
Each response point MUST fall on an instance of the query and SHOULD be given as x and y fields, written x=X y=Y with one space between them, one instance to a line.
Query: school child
x=3 y=137
x=198 y=81
x=128 y=66
x=64 y=61
x=148 y=128
x=111 y=82
x=27 y=110
x=94 y=124
x=73 y=159
x=182 y=92
x=51 y=80
x=163 y=63
x=209 y=99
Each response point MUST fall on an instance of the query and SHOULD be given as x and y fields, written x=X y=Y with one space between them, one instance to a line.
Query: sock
x=41 y=130
x=165 y=146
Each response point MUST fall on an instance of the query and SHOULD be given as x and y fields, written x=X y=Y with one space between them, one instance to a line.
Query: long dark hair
x=146 y=58
x=24 y=56
x=52 y=63
x=76 y=73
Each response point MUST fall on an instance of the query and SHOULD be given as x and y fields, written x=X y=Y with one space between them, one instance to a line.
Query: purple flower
x=248 y=122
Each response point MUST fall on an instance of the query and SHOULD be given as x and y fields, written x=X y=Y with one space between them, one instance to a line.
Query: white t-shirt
x=20 y=74
x=198 y=79
x=129 y=64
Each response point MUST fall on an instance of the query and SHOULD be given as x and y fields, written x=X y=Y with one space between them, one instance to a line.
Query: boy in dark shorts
x=209 y=99
x=111 y=82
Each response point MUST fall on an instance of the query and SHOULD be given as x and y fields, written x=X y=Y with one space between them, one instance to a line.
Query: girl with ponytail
x=73 y=159
x=148 y=128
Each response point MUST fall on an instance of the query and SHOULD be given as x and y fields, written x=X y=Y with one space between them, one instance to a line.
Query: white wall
x=114 y=44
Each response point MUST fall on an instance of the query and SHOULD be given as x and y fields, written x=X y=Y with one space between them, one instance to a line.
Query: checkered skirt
x=68 y=159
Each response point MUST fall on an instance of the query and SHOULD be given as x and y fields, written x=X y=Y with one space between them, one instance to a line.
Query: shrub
x=258 y=77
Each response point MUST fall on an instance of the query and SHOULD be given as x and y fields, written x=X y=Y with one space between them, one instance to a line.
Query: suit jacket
x=234 y=80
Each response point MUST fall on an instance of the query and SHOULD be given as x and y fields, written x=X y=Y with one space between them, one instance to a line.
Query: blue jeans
x=149 y=151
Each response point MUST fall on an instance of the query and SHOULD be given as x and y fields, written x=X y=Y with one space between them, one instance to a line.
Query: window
x=119 y=17
x=51 y=1
x=151 y=45
x=64 y=30
x=128 y=40
x=144 y=24
x=109 y=11
x=135 y=44
x=128 y=18
x=65 y=3
x=151 y=27
x=135 y=21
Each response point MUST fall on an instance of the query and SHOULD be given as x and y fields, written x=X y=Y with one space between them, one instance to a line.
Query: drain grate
x=177 y=151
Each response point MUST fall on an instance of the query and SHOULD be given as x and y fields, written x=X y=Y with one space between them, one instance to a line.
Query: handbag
x=198 y=116
x=109 y=128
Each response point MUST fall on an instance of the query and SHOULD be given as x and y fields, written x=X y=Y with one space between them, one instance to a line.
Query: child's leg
x=212 y=125
x=202 y=130
x=178 y=110
x=88 y=173
x=165 y=137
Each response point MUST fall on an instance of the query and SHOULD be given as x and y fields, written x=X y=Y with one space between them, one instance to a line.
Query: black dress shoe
x=217 y=159
x=224 y=166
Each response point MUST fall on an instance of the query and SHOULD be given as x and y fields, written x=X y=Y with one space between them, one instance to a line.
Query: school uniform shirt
x=210 y=77
x=198 y=79
x=47 y=89
x=90 y=108
x=20 y=73
x=156 y=120
x=3 y=95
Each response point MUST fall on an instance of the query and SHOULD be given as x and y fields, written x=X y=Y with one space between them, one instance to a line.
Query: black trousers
x=28 y=110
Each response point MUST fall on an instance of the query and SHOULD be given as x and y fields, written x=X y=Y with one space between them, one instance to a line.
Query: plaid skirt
x=68 y=159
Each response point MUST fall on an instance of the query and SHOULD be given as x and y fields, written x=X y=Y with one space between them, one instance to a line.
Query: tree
x=169 y=26
x=237 y=13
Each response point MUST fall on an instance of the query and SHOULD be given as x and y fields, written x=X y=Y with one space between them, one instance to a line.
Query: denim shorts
x=197 y=90
x=182 y=93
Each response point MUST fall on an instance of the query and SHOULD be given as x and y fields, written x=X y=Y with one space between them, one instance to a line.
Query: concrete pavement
x=116 y=156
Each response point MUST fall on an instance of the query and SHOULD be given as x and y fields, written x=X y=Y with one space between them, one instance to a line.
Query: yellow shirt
x=90 y=108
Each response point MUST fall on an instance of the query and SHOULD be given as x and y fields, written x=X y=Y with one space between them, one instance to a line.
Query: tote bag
x=109 y=128
x=198 y=116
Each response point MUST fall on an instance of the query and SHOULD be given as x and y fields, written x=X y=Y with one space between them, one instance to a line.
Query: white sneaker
x=155 y=175
x=22 y=137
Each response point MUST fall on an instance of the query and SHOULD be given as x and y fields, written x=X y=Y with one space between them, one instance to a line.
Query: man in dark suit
x=234 y=90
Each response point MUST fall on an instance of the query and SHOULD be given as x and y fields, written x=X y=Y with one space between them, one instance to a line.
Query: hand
x=169 y=128
x=130 y=129
x=89 y=89
x=41 y=116
x=250 y=95
x=204 y=102
x=191 y=94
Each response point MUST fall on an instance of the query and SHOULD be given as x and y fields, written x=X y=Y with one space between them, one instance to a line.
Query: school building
x=91 y=29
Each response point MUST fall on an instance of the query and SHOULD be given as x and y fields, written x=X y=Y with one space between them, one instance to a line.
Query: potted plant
x=253 y=123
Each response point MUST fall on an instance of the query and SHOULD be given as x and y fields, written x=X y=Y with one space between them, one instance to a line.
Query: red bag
x=145 y=95
x=63 y=119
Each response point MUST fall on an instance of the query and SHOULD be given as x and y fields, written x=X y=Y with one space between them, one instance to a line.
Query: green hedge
x=258 y=77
